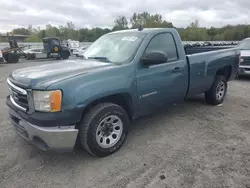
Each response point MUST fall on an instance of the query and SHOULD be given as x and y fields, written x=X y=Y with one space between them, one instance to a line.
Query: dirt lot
x=188 y=145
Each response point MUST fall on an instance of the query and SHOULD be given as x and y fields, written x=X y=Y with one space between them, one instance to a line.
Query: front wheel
x=217 y=92
x=12 y=58
x=104 y=129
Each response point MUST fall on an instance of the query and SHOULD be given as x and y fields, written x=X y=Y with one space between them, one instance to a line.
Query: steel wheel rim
x=220 y=90
x=109 y=131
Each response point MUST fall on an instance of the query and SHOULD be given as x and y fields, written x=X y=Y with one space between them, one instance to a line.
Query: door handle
x=176 y=70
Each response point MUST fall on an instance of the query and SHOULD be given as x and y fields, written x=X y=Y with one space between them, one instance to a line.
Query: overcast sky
x=101 y=13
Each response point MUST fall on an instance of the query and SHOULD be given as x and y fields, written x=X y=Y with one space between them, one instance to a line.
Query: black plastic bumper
x=44 y=119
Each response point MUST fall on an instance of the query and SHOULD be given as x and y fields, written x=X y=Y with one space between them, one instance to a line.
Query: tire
x=12 y=58
x=65 y=55
x=215 y=95
x=91 y=136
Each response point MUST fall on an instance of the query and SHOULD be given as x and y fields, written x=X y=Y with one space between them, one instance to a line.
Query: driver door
x=164 y=83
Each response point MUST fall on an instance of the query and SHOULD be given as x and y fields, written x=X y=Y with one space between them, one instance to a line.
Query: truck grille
x=246 y=61
x=19 y=128
x=18 y=96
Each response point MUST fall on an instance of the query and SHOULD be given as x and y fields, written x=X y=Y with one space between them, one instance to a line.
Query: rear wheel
x=217 y=93
x=104 y=129
x=65 y=55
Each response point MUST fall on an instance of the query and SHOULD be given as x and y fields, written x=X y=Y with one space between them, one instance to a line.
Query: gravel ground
x=188 y=145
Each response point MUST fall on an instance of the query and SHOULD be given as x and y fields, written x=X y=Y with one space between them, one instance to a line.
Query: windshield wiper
x=100 y=58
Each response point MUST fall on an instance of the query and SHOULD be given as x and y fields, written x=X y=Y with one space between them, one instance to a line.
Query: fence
x=37 y=44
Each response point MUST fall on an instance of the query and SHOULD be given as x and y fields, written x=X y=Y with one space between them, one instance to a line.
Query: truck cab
x=52 y=46
x=123 y=75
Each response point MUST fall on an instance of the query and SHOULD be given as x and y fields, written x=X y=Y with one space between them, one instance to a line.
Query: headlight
x=47 y=101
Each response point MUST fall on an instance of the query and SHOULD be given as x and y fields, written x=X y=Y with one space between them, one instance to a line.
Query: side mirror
x=154 y=58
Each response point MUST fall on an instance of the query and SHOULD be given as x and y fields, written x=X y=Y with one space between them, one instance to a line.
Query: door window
x=163 y=42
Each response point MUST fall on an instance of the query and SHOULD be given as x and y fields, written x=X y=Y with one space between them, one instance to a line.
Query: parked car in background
x=244 y=47
x=123 y=75
x=81 y=51
x=75 y=51
x=37 y=51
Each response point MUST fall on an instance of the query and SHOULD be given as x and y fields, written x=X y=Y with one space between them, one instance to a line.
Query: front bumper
x=244 y=70
x=45 y=138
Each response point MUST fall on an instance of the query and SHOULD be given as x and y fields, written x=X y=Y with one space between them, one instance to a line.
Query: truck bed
x=203 y=67
x=200 y=49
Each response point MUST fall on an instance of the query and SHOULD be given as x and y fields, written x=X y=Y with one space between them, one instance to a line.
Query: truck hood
x=40 y=77
x=245 y=53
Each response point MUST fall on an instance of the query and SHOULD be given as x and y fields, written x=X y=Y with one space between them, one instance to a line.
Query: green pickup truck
x=122 y=76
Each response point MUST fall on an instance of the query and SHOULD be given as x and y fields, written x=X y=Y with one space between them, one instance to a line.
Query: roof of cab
x=144 y=30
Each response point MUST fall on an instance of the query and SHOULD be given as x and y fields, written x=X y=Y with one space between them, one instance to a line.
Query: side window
x=163 y=42
x=55 y=42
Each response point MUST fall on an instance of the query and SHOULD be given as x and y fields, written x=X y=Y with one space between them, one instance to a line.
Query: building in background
x=18 y=38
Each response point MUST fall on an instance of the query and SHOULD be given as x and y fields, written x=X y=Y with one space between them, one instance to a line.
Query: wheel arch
x=122 y=99
x=225 y=71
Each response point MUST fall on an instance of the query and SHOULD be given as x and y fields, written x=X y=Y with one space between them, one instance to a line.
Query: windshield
x=244 y=45
x=116 y=47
